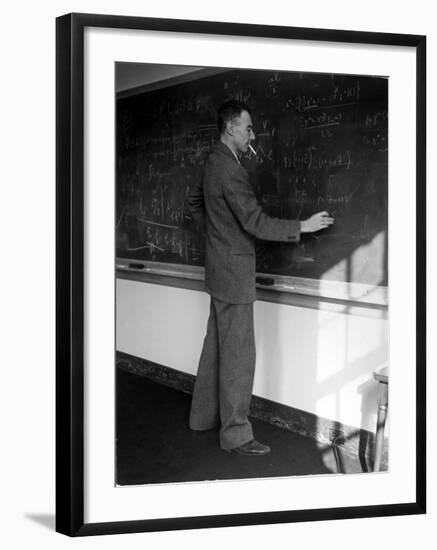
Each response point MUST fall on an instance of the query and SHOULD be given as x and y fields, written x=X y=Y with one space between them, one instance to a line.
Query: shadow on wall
x=364 y=349
x=322 y=360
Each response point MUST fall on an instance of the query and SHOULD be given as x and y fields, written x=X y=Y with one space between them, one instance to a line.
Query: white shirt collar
x=238 y=160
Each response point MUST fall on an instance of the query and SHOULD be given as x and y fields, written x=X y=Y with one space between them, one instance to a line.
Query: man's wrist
x=303 y=226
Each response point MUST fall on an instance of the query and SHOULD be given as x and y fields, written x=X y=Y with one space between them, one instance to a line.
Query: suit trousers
x=224 y=381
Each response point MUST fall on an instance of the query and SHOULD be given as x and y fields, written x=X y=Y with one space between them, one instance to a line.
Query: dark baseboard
x=327 y=433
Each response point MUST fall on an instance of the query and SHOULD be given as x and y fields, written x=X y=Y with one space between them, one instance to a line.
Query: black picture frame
x=70 y=273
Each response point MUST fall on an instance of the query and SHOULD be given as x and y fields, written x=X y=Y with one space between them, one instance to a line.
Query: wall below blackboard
x=320 y=360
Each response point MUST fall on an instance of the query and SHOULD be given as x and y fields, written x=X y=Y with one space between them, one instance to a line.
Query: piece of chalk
x=267 y=281
x=252 y=149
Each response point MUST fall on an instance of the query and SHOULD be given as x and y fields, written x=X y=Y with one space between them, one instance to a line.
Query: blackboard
x=321 y=143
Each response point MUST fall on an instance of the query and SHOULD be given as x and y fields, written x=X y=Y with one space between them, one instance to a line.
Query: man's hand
x=318 y=221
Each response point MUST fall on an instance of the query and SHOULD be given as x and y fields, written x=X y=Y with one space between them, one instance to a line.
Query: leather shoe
x=252 y=448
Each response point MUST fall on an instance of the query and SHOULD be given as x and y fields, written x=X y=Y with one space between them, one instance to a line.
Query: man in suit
x=224 y=204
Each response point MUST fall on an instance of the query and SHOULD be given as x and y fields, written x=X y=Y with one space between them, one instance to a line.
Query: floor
x=155 y=445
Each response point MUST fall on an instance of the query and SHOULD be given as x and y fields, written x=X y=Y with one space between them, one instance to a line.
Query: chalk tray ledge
x=270 y=287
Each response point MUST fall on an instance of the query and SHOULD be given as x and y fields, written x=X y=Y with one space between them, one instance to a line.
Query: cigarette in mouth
x=252 y=149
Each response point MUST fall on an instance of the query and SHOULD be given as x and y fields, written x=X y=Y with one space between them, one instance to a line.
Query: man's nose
x=252 y=135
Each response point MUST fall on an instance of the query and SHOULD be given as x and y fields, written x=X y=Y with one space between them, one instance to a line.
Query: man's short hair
x=230 y=110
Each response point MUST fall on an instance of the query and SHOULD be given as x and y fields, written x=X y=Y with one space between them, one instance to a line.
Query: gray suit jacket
x=225 y=205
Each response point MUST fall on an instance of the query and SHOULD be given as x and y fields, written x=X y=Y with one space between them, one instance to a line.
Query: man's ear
x=230 y=128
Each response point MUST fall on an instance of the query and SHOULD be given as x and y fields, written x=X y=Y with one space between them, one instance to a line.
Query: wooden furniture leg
x=382 y=377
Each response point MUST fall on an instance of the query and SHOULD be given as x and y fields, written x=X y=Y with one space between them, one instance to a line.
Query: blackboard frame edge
x=205 y=72
x=202 y=72
x=69 y=284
